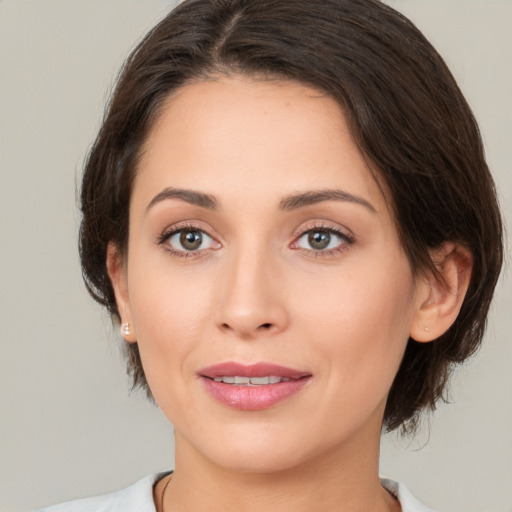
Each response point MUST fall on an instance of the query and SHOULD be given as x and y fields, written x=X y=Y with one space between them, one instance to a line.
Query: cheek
x=164 y=297
x=169 y=315
x=360 y=318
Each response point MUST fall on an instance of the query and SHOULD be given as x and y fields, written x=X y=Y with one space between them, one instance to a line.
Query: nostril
x=246 y=329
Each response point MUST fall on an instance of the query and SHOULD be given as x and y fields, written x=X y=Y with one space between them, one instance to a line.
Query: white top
x=139 y=498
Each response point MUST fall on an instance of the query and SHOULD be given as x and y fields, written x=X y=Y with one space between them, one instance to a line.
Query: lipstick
x=252 y=387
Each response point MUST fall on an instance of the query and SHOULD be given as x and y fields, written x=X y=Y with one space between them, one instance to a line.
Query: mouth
x=239 y=380
x=252 y=387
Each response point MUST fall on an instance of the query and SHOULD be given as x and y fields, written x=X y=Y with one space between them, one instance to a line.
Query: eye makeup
x=317 y=239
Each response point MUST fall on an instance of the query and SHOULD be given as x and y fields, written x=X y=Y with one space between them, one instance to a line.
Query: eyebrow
x=189 y=196
x=319 y=196
x=288 y=203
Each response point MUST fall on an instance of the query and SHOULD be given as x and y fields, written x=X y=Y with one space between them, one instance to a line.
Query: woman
x=288 y=211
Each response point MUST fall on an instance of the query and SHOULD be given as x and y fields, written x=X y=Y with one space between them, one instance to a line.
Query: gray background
x=68 y=425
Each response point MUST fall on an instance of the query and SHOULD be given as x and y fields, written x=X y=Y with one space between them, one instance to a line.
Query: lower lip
x=253 y=398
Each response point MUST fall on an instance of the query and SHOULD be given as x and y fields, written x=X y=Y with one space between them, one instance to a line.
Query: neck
x=345 y=479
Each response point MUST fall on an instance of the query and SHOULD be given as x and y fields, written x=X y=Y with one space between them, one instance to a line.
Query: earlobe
x=117 y=273
x=441 y=294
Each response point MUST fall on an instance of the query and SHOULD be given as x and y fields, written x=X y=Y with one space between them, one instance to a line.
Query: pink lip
x=231 y=369
x=252 y=398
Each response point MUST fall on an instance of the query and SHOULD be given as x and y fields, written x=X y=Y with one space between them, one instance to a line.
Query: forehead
x=246 y=137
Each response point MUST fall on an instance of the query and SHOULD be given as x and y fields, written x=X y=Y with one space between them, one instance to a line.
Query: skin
x=256 y=290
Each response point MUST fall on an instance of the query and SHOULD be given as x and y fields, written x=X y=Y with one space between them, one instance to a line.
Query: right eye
x=184 y=241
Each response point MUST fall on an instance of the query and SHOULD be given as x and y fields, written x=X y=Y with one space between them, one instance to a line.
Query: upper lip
x=232 y=369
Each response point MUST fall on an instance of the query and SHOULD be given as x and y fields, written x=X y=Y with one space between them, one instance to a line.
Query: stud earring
x=426 y=329
x=125 y=329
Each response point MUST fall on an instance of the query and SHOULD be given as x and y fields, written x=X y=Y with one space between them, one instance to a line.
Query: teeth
x=226 y=380
x=264 y=380
x=251 y=381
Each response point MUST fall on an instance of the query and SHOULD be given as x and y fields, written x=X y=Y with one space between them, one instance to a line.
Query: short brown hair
x=406 y=114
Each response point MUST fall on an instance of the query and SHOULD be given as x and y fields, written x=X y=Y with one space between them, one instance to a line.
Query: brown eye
x=191 y=240
x=319 y=240
x=322 y=241
x=187 y=240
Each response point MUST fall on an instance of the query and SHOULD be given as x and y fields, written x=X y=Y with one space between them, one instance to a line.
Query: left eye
x=320 y=240
x=187 y=240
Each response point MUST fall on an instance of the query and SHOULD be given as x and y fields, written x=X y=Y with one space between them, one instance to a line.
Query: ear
x=116 y=269
x=440 y=296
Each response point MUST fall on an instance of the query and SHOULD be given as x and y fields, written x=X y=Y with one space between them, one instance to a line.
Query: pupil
x=319 y=239
x=191 y=240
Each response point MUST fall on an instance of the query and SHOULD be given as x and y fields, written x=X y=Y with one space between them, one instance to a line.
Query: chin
x=257 y=461
x=254 y=450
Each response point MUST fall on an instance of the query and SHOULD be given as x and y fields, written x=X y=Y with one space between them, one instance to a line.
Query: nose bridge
x=251 y=300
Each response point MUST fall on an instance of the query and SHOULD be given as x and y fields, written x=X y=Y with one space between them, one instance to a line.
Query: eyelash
x=346 y=240
x=169 y=233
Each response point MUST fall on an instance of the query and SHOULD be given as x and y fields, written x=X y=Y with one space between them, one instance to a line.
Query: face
x=265 y=282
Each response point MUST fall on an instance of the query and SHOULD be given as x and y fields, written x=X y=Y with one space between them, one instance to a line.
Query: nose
x=252 y=297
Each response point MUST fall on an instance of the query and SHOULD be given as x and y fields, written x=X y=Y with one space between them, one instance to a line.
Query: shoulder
x=136 y=498
x=407 y=501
